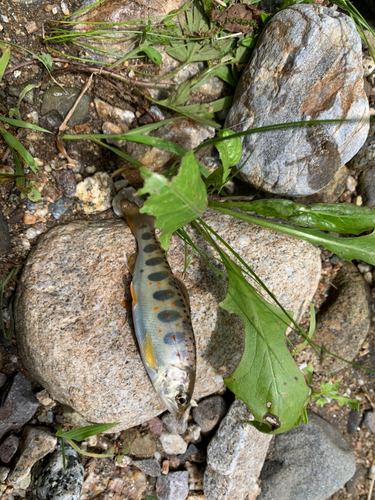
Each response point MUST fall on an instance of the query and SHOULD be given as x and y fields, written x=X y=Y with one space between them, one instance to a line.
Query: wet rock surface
x=344 y=321
x=61 y=100
x=286 y=63
x=235 y=457
x=111 y=384
x=18 y=404
x=316 y=451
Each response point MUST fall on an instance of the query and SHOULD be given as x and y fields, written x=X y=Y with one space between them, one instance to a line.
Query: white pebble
x=157 y=455
x=65 y=9
x=348 y=391
x=31 y=233
x=351 y=184
x=4 y=18
x=363 y=267
x=361 y=382
x=55 y=9
x=368 y=277
x=17 y=73
x=47 y=168
x=358 y=200
x=90 y=170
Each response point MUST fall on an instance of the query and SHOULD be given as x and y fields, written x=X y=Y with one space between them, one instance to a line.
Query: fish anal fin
x=184 y=291
x=130 y=261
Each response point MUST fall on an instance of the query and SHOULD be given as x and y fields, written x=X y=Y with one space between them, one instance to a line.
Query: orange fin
x=130 y=262
x=133 y=294
x=148 y=352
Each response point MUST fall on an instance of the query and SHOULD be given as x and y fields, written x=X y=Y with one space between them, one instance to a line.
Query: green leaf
x=267 y=379
x=14 y=143
x=34 y=195
x=4 y=62
x=230 y=152
x=361 y=248
x=84 y=432
x=153 y=54
x=47 y=60
x=174 y=203
x=335 y=217
x=329 y=390
x=21 y=123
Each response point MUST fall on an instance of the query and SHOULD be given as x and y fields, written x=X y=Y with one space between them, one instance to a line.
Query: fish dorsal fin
x=184 y=291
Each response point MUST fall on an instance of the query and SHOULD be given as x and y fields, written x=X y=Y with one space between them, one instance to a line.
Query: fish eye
x=182 y=399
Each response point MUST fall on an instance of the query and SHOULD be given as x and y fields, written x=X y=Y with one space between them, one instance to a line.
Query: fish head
x=175 y=387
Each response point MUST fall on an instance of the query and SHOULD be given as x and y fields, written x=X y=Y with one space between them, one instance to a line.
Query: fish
x=161 y=314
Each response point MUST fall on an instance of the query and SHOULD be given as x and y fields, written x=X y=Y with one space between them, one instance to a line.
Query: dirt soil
x=16 y=26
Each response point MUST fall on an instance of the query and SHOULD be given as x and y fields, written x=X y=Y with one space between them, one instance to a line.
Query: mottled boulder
x=307 y=66
x=235 y=457
x=76 y=338
x=310 y=462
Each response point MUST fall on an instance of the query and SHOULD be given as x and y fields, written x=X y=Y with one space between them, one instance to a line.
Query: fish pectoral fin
x=148 y=352
x=130 y=262
x=184 y=291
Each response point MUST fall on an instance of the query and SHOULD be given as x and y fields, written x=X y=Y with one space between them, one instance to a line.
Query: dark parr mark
x=163 y=294
x=173 y=338
x=157 y=276
x=179 y=303
x=147 y=236
x=168 y=316
x=154 y=261
x=151 y=247
x=143 y=226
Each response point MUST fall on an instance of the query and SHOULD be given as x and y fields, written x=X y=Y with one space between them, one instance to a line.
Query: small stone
x=65 y=9
x=29 y=219
x=55 y=9
x=165 y=467
x=368 y=65
x=111 y=113
x=195 y=476
x=66 y=182
x=351 y=184
x=173 y=486
x=31 y=233
x=30 y=205
x=31 y=27
x=173 y=444
x=50 y=194
x=316 y=450
x=36 y=444
x=173 y=424
x=6 y=169
x=47 y=168
x=149 y=467
x=369 y=421
x=19 y=406
x=4 y=18
x=125 y=461
x=193 y=433
x=3 y=377
x=192 y=450
x=366 y=187
x=56 y=482
x=155 y=425
x=90 y=169
x=139 y=445
x=363 y=267
x=51 y=121
x=209 y=413
x=112 y=129
x=59 y=208
x=94 y=193
x=368 y=277
x=4 y=472
x=354 y=421
x=44 y=399
x=8 y=448
x=62 y=100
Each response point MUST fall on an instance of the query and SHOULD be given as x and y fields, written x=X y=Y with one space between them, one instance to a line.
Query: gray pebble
x=60 y=206
x=366 y=187
x=62 y=100
x=209 y=413
x=354 y=421
x=369 y=421
x=4 y=236
x=173 y=486
x=8 y=448
x=192 y=450
x=150 y=467
x=30 y=205
x=173 y=424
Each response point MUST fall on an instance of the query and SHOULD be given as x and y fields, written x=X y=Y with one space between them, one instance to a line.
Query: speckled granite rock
x=307 y=66
x=76 y=339
x=310 y=462
x=235 y=457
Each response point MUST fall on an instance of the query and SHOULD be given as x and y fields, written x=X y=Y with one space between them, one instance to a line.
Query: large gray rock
x=75 y=337
x=4 y=236
x=310 y=462
x=235 y=457
x=307 y=66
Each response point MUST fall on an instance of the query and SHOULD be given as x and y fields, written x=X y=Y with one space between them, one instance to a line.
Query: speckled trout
x=161 y=313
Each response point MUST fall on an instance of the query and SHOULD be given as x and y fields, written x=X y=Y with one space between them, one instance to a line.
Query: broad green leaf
x=84 y=432
x=21 y=123
x=267 y=379
x=174 y=203
x=47 y=60
x=153 y=54
x=230 y=152
x=14 y=143
x=335 y=217
x=4 y=62
x=361 y=248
